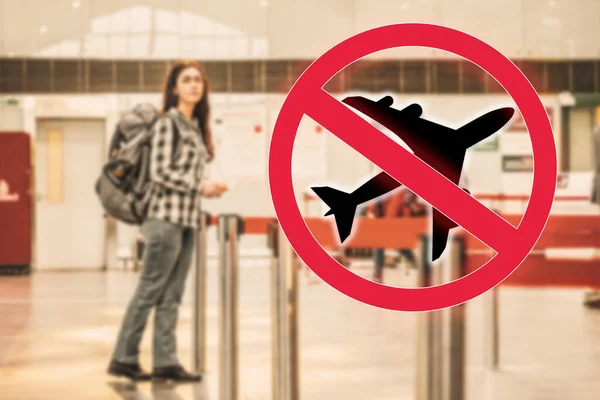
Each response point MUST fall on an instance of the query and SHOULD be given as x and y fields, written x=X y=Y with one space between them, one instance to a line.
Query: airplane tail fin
x=342 y=207
x=484 y=126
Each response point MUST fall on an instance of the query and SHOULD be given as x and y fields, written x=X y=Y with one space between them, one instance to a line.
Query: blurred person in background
x=169 y=230
x=592 y=298
x=400 y=203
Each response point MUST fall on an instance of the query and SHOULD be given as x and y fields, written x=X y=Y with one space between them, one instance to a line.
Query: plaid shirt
x=175 y=192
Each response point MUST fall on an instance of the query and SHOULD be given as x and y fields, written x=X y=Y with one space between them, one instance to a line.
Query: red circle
x=494 y=271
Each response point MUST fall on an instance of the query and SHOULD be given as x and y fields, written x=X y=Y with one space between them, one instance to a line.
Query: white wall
x=283 y=28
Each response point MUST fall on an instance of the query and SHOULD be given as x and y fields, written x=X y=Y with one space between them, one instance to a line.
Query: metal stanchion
x=276 y=301
x=441 y=333
x=292 y=310
x=199 y=298
x=428 y=377
x=284 y=316
x=454 y=327
x=491 y=330
x=229 y=229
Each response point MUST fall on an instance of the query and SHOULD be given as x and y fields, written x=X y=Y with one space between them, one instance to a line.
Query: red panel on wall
x=15 y=199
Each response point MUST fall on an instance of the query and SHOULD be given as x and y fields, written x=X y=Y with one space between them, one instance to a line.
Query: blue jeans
x=166 y=262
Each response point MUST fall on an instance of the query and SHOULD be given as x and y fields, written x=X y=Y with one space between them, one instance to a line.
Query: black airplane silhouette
x=441 y=147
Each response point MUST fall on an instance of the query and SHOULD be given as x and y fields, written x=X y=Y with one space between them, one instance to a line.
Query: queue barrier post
x=491 y=330
x=440 y=369
x=284 y=316
x=199 y=297
x=229 y=229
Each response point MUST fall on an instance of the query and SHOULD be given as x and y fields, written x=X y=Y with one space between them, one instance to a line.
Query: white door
x=70 y=228
x=581 y=139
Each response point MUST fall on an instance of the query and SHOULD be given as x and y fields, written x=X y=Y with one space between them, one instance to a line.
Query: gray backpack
x=123 y=186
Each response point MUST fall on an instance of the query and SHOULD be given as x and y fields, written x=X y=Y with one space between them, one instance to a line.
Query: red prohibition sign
x=511 y=244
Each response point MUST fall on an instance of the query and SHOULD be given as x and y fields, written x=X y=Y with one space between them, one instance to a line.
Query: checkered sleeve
x=163 y=168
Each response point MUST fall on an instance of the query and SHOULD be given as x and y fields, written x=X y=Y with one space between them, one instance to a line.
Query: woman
x=170 y=227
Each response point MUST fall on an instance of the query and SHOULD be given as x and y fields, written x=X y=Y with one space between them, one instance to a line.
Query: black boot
x=131 y=371
x=174 y=373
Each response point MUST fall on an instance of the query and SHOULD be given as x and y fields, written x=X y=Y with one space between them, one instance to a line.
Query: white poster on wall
x=516 y=143
x=309 y=159
x=241 y=142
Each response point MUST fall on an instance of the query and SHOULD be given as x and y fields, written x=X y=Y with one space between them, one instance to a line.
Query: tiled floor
x=57 y=332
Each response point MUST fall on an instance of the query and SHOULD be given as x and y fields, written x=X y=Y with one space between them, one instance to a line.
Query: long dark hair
x=201 y=110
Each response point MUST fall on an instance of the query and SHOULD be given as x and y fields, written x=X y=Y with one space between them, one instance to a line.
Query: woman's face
x=189 y=86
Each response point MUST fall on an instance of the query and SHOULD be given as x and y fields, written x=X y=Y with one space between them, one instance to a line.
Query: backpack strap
x=115 y=142
x=176 y=140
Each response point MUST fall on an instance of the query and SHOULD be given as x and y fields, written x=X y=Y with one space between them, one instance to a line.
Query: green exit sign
x=9 y=102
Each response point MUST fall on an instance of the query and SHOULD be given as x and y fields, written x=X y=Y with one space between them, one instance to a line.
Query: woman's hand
x=212 y=189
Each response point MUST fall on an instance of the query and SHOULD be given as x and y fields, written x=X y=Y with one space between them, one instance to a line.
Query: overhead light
x=264 y=3
x=76 y=3
x=43 y=29
x=11 y=54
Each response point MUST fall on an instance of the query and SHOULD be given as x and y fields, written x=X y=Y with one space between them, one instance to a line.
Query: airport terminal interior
x=333 y=144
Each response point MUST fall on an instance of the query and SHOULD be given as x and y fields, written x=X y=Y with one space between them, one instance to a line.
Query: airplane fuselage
x=435 y=144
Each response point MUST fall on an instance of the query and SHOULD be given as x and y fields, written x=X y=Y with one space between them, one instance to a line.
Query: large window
x=153 y=33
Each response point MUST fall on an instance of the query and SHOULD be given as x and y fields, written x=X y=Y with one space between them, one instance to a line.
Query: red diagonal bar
x=411 y=171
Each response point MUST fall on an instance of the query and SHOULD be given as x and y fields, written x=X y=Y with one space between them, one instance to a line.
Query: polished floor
x=57 y=330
